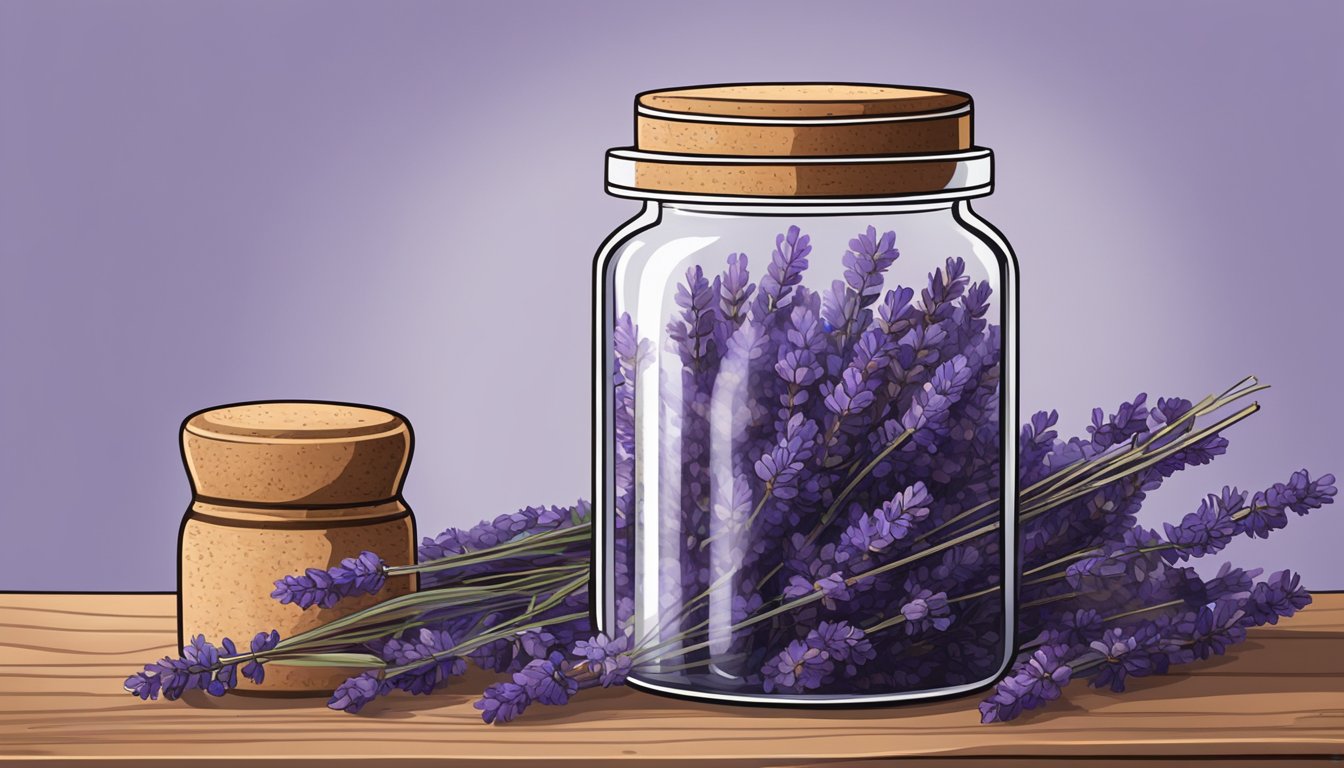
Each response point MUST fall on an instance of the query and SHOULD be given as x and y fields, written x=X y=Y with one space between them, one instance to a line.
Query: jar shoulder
x=662 y=245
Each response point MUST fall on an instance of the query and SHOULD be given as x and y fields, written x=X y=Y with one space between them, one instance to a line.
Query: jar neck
x=839 y=208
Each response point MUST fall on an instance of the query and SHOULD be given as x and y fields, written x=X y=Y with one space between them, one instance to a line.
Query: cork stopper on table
x=795 y=140
x=280 y=487
x=296 y=453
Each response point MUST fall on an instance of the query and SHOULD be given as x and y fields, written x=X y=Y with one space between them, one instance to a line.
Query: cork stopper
x=821 y=140
x=299 y=454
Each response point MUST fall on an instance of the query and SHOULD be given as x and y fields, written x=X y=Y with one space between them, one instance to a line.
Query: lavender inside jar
x=804 y=487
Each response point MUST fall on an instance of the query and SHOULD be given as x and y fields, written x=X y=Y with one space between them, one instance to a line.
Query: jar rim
x=762 y=180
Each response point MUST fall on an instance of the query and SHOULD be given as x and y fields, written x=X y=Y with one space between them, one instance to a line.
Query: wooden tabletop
x=1278 y=698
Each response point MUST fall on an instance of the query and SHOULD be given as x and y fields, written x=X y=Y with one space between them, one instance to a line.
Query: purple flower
x=1215 y=629
x=781 y=467
x=363 y=574
x=356 y=692
x=1077 y=627
x=1269 y=508
x=545 y=680
x=420 y=649
x=897 y=314
x=608 y=657
x=929 y=413
x=798 y=368
x=797 y=668
x=853 y=393
x=843 y=643
x=869 y=533
x=945 y=285
x=198 y=668
x=787 y=263
x=1035 y=444
x=694 y=332
x=1088 y=572
x=1033 y=683
x=1130 y=419
x=735 y=288
x=255 y=670
x=959 y=566
x=1279 y=596
x=832 y=587
x=924 y=609
x=845 y=307
x=1124 y=654
x=144 y=685
x=905 y=510
x=1230 y=582
x=1206 y=530
x=502 y=702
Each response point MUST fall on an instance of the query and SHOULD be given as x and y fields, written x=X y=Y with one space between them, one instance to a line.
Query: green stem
x=570 y=535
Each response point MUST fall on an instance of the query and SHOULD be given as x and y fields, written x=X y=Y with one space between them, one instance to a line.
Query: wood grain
x=1278 y=699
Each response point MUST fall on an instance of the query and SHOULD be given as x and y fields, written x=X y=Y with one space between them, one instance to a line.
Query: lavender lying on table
x=1125 y=609
x=1101 y=598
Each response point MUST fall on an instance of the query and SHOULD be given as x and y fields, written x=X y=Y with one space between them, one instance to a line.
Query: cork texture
x=297 y=453
x=281 y=487
x=696 y=138
x=803 y=100
x=799 y=120
x=228 y=572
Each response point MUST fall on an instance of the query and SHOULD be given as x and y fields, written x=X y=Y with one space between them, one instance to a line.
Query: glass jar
x=805 y=349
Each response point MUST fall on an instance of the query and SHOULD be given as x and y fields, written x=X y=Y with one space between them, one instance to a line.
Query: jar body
x=804 y=484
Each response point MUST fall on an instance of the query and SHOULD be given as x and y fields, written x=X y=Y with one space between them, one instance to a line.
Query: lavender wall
x=396 y=202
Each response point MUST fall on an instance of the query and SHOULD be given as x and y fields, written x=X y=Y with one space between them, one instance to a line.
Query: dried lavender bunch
x=495 y=609
x=552 y=660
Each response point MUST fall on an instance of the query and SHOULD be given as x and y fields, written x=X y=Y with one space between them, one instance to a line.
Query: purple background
x=398 y=202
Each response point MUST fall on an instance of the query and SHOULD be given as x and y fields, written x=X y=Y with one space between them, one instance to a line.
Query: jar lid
x=801 y=140
x=296 y=453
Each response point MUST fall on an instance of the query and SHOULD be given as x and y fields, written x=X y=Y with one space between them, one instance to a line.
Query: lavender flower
x=924 y=610
x=787 y=263
x=1125 y=655
x=798 y=668
x=198 y=668
x=421 y=650
x=843 y=643
x=1208 y=529
x=255 y=669
x=546 y=682
x=502 y=702
x=844 y=308
x=1281 y=595
x=1215 y=629
x=608 y=657
x=735 y=288
x=1036 y=682
x=1269 y=508
x=355 y=693
x=694 y=332
x=1230 y=583
x=364 y=574
x=832 y=587
x=781 y=467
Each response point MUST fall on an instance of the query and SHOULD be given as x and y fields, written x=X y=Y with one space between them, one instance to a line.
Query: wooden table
x=1279 y=698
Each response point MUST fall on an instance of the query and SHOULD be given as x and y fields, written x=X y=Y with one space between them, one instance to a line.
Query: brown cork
x=816 y=121
x=281 y=487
